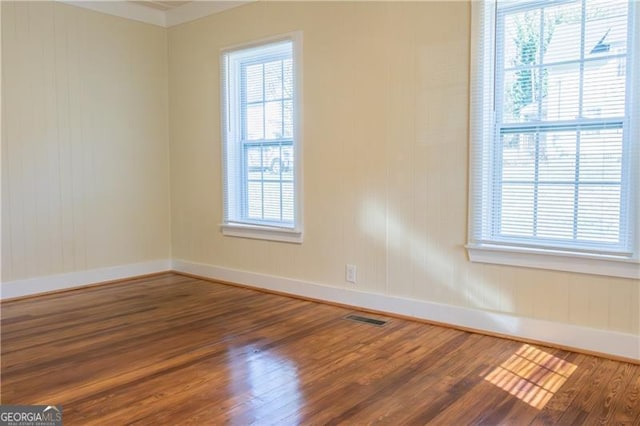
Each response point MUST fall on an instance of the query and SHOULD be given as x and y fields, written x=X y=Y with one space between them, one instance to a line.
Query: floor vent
x=367 y=320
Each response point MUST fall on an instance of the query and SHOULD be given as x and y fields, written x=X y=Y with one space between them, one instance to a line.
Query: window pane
x=254 y=200
x=539 y=181
x=604 y=89
x=254 y=83
x=255 y=122
x=562 y=32
x=255 y=160
x=273 y=120
x=557 y=157
x=272 y=200
x=287 y=201
x=518 y=157
x=605 y=27
x=521 y=96
x=599 y=213
x=273 y=80
x=278 y=160
x=561 y=87
x=522 y=39
x=555 y=211
x=270 y=182
x=517 y=210
x=287 y=162
x=288 y=119
x=601 y=156
x=288 y=78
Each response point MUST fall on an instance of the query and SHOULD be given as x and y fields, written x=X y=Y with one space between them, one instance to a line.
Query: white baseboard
x=566 y=335
x=26 y=287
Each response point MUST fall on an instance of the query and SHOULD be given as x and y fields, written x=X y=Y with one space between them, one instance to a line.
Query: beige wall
x=385 y=162
x=85 y=166
x=85 y=162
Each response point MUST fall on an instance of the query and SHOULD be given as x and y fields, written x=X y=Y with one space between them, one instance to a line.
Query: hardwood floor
x=176 y=350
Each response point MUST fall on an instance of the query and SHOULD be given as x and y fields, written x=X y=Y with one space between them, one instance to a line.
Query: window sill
x=257 y=232
x=613 y=266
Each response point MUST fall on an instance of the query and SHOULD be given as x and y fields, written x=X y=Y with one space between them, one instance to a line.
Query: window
x=261 y=144
x=555 y=135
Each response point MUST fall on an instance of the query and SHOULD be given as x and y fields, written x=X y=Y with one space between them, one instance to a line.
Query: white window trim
x=482 y=75
x=258 y=231
x=587 y=263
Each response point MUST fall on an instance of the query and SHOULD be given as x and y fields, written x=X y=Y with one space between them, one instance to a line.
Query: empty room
x=320 y=212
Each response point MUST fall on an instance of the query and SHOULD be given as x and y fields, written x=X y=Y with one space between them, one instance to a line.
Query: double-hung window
x=555 y=135
x=261 y=144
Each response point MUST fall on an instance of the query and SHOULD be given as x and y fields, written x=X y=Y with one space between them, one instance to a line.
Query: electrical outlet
x=351 y=273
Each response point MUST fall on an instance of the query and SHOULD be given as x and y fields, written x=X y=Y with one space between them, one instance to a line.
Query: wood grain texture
x=171 y=349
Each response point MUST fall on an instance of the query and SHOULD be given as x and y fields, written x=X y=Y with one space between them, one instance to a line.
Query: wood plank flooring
x=176 y=350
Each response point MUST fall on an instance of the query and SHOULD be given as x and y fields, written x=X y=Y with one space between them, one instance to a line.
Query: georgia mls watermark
x=30 y=415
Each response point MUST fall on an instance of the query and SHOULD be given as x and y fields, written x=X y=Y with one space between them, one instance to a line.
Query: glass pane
x=561 y=91
x=254 y=83
x=517 y=210
x=288 y=78
x=288 y=119
x=562 y=30
x=604 y=89
x=287 y=162
x=557 y=157
x=255 y=160
x=287 y=201
x=555 y=211
x=272 y=200
x=518 y=157
x=273 y=120
x=254 y=200
x=273 y=80
x=601 y=156
x=255 y=123
x=522 y=39
x=521 y=95
x=605 y=28
x=273 y=162
x=278 y=161
x=599 y=213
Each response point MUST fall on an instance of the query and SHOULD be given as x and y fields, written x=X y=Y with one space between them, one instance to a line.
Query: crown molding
x=123 y=9
x=176 y=16
x=199 y=9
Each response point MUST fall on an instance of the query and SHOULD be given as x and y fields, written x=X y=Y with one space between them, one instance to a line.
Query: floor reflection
x=265 y=385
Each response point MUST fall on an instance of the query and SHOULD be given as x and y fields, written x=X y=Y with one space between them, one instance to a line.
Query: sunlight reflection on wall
x=377 y=223
x=532 y=375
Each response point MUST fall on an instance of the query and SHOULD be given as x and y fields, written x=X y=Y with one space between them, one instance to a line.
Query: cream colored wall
x=85 y=164
x=386 y=91
x=85 y=167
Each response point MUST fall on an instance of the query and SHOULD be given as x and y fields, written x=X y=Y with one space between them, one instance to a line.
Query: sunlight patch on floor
x=532 y=375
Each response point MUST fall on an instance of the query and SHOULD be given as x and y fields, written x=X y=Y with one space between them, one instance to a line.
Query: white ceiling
x=156 y=12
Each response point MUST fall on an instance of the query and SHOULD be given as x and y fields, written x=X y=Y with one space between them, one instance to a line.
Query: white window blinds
x=554 y=126
x=260 y=146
